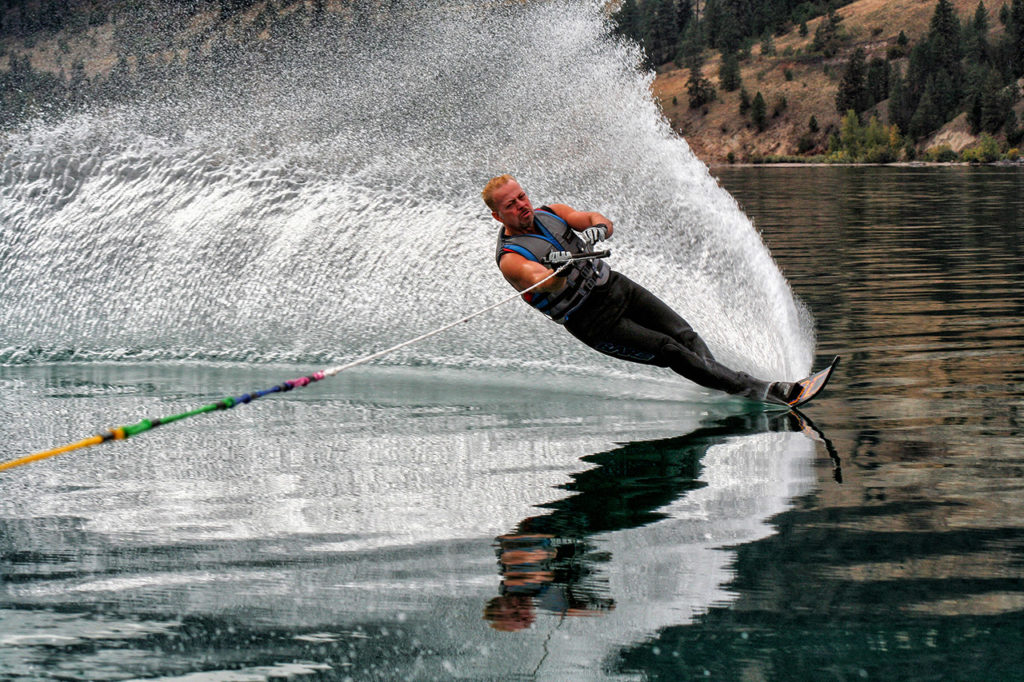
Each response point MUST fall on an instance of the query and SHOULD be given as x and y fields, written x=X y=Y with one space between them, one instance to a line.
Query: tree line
x=672 y=30
x=955 y=67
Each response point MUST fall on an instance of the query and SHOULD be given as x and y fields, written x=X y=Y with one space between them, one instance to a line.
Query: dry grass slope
x=718 y=129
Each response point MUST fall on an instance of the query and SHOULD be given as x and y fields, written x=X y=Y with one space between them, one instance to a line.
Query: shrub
x=786 y=158
x=901 y=47
x=835 y=143
x=879 y=154
x=941 y=154
x=986 y=151
x=779 y=105
x=828 y=35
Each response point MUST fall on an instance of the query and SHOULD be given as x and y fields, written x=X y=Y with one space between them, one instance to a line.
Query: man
x=603 y=308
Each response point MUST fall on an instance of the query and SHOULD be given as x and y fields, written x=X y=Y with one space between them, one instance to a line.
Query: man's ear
x=494 y=214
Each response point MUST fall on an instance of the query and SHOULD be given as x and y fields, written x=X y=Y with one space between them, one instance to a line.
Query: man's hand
x=557 y=258
x=595 y=234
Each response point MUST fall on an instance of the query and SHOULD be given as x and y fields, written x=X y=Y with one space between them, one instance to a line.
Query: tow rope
x=123 y=432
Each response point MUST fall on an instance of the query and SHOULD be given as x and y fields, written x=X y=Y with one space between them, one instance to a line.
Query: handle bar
x=582 y=256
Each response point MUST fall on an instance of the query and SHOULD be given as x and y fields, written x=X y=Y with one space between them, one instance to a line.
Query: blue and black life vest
x=554 y=234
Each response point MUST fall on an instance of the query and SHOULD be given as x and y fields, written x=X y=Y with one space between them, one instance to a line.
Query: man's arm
x=523 y=273
x=580 y=220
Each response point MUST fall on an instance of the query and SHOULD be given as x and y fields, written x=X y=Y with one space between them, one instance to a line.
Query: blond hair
x=492 y=186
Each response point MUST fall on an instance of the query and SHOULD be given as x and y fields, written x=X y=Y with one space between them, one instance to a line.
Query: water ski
x=805 y=389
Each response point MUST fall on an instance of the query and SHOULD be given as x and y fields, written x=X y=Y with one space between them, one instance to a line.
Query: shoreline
x=899 y=164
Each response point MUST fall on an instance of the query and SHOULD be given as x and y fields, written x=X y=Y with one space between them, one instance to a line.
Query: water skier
x=602 y=308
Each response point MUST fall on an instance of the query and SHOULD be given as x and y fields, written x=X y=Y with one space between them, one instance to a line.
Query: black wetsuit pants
x=624 y=320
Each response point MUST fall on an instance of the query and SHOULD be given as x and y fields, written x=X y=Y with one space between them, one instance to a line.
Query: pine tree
x=853 y=88
x=996 y=104
x=944 y=34
x=944 y=46
x=691 y=45
x=744 y=101
x=976 y=76
x=945 y=94
x=919 y=68
x=660 y=34
x=1015 y=36
x=729 y=72
x=627 y=20
x=685 y=11
x=900 y=109
x=759 y=112
x=926 y=118
x=725 y=30
x=700 y=90
x=977 y=35
x=879 y=73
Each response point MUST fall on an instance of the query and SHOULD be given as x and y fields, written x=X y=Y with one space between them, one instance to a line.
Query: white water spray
x=323 y=203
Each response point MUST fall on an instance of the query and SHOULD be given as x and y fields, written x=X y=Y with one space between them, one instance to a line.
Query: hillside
x=808 y=83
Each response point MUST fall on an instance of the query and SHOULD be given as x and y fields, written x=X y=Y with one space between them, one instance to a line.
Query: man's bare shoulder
x=561 y=210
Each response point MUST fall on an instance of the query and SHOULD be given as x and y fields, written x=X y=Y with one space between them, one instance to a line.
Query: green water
x=440 y=523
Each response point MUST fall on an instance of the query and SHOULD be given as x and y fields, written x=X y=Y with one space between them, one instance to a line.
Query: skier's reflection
x=548 y=563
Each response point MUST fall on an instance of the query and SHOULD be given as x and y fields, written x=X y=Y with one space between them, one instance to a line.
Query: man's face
x=513 y=206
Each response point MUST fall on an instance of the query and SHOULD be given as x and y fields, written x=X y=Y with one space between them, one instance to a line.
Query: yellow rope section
x=94 y=440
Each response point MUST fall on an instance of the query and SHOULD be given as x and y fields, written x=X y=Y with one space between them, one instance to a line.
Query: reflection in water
x=332 y=527
x=912 y=569
x=544 y=572
x=811 y=430
x=551 y=563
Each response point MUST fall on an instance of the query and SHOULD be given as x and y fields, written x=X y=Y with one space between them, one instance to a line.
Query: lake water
x=431 y=522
